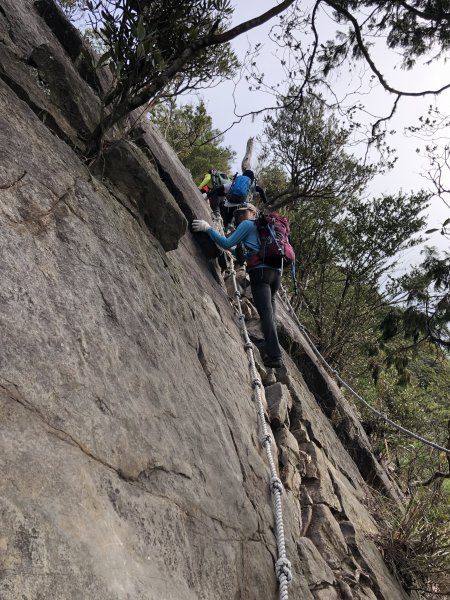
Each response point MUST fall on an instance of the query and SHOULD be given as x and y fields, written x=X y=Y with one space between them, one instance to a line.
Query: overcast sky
x=406 y=174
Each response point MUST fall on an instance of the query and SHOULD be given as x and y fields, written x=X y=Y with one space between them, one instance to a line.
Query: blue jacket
x=246 y=233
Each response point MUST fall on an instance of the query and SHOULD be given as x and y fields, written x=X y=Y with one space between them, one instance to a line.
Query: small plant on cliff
x=158 y=48
x=415 y=543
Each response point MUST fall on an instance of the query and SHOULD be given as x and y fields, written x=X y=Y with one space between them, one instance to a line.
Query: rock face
x=130 y=462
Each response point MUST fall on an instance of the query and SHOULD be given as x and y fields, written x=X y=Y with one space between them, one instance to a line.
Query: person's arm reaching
x=207 y=180
x=224 y=242
x=261 y=193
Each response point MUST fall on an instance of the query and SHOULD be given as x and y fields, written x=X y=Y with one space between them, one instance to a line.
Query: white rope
x=282 y=566
x=379 y=414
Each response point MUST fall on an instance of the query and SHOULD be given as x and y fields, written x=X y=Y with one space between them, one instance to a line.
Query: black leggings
x=227 y=213
x=215 y=203
x=265 y=283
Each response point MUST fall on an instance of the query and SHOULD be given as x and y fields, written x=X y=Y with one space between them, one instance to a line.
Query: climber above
x=206 y=185
x=240 y=191
x=264 y=280
x=217 y=197
x=214 y=186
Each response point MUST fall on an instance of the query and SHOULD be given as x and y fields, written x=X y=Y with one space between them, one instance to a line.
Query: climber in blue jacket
x=264 y=280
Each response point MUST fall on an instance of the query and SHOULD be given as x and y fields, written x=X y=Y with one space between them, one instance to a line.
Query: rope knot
x=265 y=439
x=256 y=383
x=283 y=567
x=276 y=485
x=248 y=345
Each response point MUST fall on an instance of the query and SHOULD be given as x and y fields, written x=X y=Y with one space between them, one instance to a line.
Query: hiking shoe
x=273 y=363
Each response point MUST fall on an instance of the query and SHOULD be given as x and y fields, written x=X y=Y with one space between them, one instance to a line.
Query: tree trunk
x=247 y=160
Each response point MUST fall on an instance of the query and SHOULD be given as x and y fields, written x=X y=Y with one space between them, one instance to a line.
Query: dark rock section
x=35 y=65
x=25 y=82
x=82 y=110
x=68 y=35
x=172 y=172
x=77 y=49
x=178 y=180
x=127 y=168
x=70 y=39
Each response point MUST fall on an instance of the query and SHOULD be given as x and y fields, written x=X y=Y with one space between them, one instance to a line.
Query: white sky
x=406 y=174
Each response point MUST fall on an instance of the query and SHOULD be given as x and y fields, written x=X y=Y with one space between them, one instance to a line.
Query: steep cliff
x=130 y=461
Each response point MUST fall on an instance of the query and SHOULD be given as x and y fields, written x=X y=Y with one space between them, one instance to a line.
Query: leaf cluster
x=343 y=248
x=144 y=37
x=414 y=28
x=426 y=291
x=71 y=8
x=309 y=144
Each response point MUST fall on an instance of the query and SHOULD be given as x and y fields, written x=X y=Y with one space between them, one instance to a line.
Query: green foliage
x=71 y=7
x=426 y=292
x=419 y=400
x=273 y=179
x=414 y=543
x=344 y=247
x=309 y=145
x=412 y=28
x=189 y=131
x=155 y=49
x=379 y=229
x=344 y=242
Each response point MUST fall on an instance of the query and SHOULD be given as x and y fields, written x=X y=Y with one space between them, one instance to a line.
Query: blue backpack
x=239 y=190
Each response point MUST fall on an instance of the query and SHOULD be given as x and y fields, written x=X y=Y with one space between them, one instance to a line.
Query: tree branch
x=437 y=475
x=229 y=35
x=358 y=34
x=428 y=16
x=175 y=67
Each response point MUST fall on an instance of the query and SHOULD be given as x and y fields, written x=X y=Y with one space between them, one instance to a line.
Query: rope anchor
x=265 y=439
x=283 y=567
x=276 y=485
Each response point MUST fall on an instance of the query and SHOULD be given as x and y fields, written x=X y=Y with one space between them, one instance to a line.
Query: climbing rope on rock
x=283 y=565
x=379 y=414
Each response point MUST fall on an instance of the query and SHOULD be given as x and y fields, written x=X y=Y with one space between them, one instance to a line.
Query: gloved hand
x=200 y=225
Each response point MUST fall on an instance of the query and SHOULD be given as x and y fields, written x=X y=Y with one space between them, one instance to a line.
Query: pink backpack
x=276 y=249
